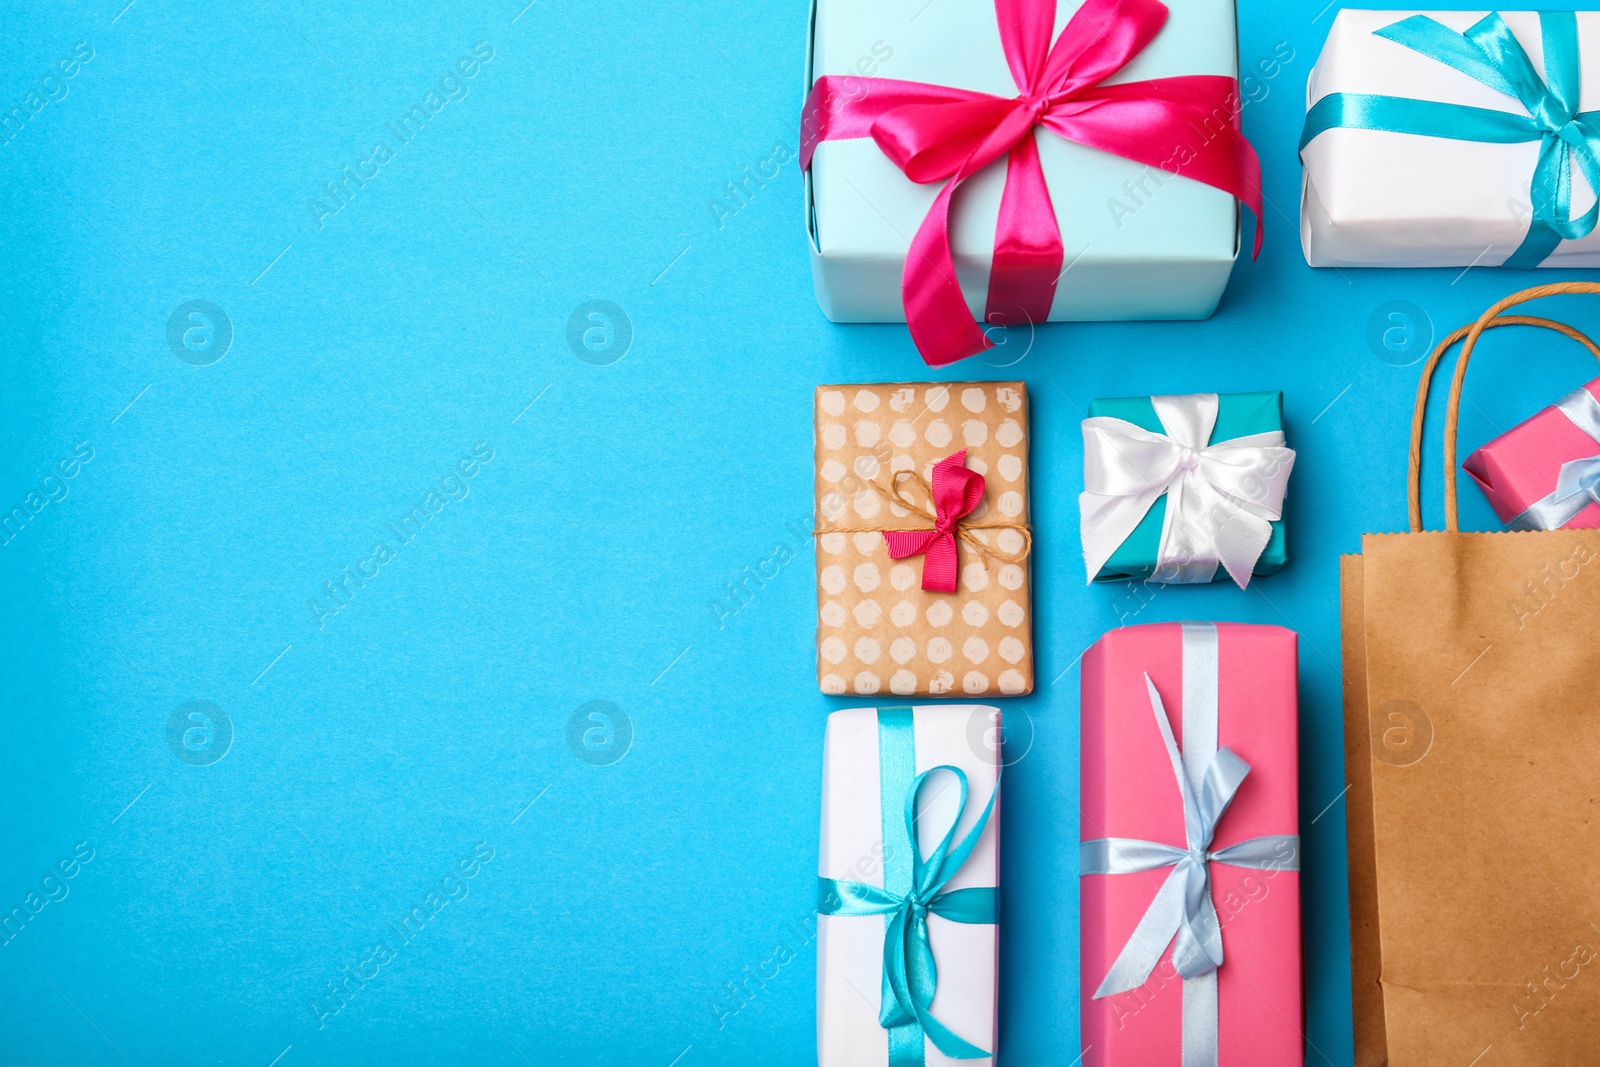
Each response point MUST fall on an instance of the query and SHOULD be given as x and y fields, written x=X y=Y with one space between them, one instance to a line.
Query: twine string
x=962 y=528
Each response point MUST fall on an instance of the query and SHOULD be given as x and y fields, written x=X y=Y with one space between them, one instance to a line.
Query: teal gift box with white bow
x=1183 y=489
x=1453 y=139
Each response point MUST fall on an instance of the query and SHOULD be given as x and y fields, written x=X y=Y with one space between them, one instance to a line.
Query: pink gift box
x=1129 y=791
x=1521 y=465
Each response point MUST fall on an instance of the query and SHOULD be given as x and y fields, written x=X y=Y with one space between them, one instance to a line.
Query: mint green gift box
x=1138 y=243
x=1238 y=415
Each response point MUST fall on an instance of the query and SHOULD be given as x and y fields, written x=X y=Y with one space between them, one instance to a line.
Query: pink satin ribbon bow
x=1185 y=125
x=956 y=491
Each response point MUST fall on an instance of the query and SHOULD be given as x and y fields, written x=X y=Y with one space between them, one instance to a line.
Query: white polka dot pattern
x=878 y=629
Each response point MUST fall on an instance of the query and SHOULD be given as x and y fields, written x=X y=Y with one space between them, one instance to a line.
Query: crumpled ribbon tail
x=1489 y=53
x=939 y=134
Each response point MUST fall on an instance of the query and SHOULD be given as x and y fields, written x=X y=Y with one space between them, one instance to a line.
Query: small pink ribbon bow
x=956 y=492
x=1186 y=125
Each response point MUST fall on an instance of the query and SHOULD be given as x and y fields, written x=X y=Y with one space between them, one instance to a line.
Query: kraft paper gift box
x=1216 y=704
x=1142 y=243
x=1230 y=522
x=879 y=628
x=873 y=758
x=1542 y=473
x=1379 y=197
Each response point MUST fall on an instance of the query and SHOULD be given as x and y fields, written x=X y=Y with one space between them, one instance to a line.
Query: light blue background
x=371 y=754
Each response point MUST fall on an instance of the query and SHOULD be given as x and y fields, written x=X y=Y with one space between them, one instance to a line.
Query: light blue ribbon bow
x=911 y=892
x=1577 y=486
x=1489 y=53
x=1182 y=907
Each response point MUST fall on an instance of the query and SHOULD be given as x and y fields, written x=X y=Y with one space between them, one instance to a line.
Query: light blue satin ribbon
x=1489 y=53
x=1208 y=776
x=911 y=891
x=1577 y=486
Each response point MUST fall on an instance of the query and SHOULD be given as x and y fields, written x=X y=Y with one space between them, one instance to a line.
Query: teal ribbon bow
x=911 y=892
x=1489 y=53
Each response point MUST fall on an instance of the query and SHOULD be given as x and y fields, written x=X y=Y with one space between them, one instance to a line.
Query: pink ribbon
x=956 y=491
x=1184 y=125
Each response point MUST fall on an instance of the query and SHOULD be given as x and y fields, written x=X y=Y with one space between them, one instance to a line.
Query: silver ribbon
x=1208 y=777
x=1578 y=482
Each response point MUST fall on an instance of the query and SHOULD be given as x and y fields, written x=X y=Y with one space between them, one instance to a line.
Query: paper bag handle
x=1488 y=320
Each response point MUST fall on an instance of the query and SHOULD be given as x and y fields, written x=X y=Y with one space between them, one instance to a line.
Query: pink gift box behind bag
x=1129 y=790
x=1523 y=465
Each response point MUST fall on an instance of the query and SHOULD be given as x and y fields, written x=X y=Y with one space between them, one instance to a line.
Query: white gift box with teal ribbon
x=1449 y=138
x=907 y=888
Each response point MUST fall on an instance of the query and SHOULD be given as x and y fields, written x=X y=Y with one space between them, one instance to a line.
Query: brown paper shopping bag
x=1472 y=744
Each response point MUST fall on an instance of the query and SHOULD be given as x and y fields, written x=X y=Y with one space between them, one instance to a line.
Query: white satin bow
x=1221 y=498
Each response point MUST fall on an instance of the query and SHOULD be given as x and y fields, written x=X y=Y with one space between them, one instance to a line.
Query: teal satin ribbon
x=1489 y=53
x=911 y=891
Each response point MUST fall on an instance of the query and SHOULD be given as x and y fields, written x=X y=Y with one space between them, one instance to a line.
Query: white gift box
x=1372 y=198
x=850 y=948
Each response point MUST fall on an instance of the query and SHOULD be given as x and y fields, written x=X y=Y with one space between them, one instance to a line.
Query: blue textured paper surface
x=649 y=911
